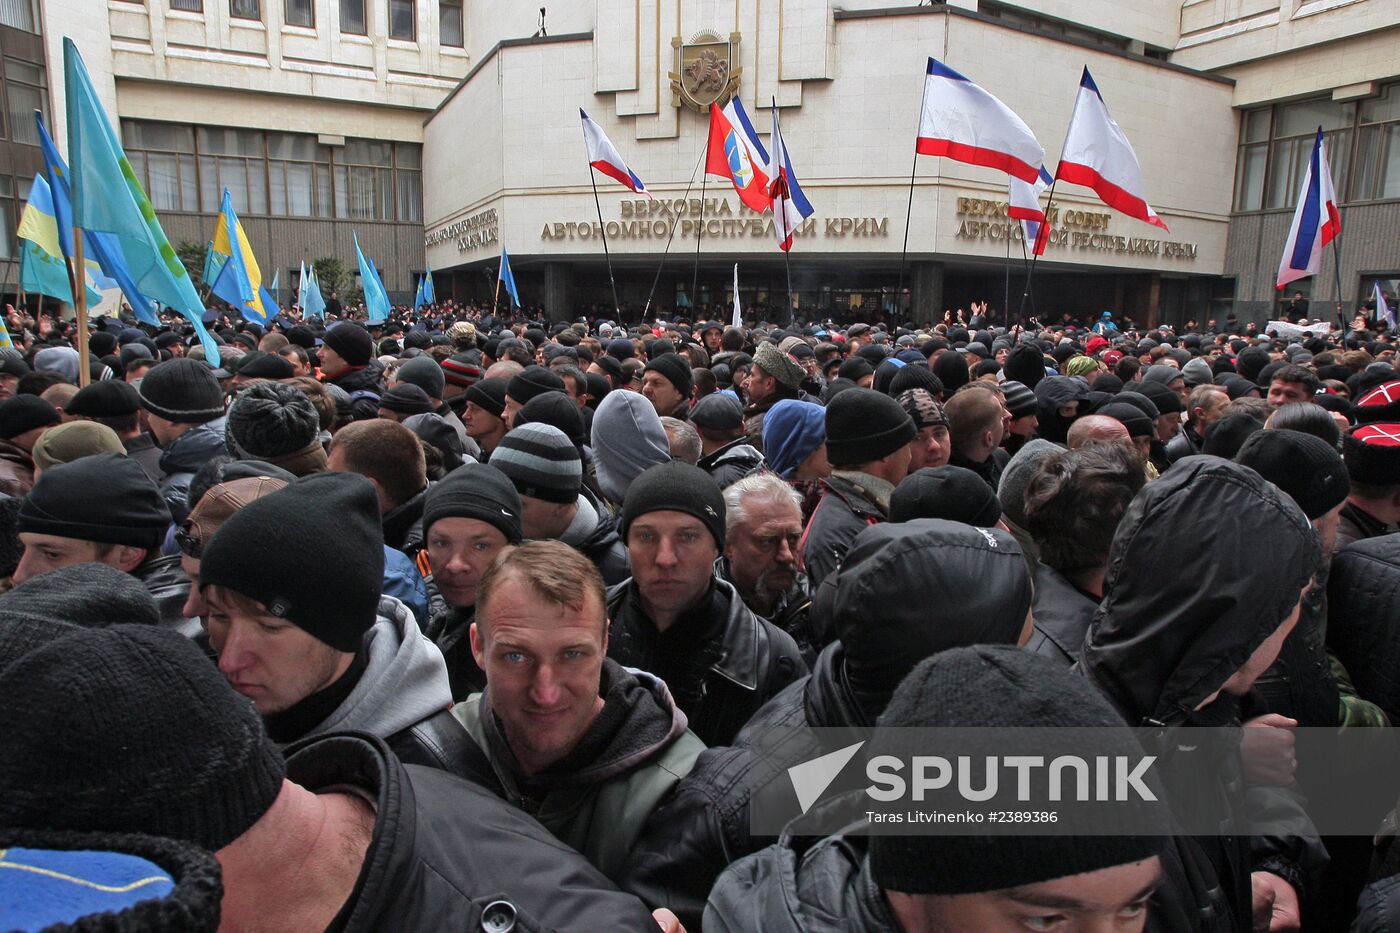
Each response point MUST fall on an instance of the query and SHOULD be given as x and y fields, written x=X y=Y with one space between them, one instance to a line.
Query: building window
x=245 y=9
x=352 y=17
x=1253 y=157
x=401 y=20
x=189 y=6
x=18 y=14
x=1377 y=173
x=300 y=13
x=163 y=158
x=24 y=94
x=450 y=31
x=299 y=176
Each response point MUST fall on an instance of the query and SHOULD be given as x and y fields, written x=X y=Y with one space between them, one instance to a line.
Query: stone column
x=559 y=292
x=926 y=292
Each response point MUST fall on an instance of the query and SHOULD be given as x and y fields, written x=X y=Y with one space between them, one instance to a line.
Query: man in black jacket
x=675 y=619
x=300 y=628
x=390 y=456
x=342 y=835
x=347 y=362
x=1204 y=407
x=104 y=508
x=705 y=825
x=544 y=465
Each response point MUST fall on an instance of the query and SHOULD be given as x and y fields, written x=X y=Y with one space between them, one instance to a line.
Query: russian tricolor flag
x=1316 y=221
x=1098 y=155
x=963 y=122
x=1023 y=202
x=790 y=205
x=603 y=156
x=734 y=152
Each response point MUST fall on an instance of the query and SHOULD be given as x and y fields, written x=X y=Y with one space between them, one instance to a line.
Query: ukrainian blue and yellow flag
x=239 y=281
x=42 y=268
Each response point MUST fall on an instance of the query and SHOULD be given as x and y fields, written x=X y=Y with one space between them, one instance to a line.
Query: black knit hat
x=541 y=461
x=154 y=740
x=111 y=882
x=676 y=487
x=406 y=399
x=182 y=390
x=25 y=413
x=1130 y=416
x=477 y=491
x=675 y=369
x=993 y=687
x=718 y=411
x=312 y=553
x=915 y=376
x=1020 y=400
x=1167 y=401
x=1306 y=467
x=557 y=410
x=1225 y=437
x=533 y=381
x=423 y=372
x=110 y=398
x=270 y=419
x=351 y=342
x=90 y=595
x=105 y=497
x=923 y=407
x=949 y=492
x=489 y=394
x=1371 y=452
x=266 y=366
x=863 y=425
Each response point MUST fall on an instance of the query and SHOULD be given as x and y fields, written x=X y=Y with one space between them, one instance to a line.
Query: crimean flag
x=1098 y=155
x=790 y=205
x=963 y=122
x=603 y=156
x=734 y=152
x=507 y=278
x=376 y=297
x=107 y=198
x=1024 y=205
x=1316 y=221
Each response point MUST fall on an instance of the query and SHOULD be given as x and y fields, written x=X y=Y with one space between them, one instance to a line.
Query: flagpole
x=792 y=310
x=80 y=306
x=1006 y=292
x=1337 y=272
x=1049 y=202
x=593 y=177
x=909 y=208
x=669 y=237
x=699 y=234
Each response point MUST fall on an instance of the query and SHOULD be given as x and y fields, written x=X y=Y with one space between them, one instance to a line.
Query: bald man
x=1097 y=429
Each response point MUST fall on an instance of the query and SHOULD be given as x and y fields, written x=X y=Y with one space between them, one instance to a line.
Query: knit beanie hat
x=22 y=413
x=863 y=425
x=406 y=399
x=1011 y=490
x=105 y=497
x=463 y=333
x=1130 y=416
x=675 y=369
x=489 y=395
x=217 y=505
x=68 y=442
x=990 y=687
x=949 y=492
x=621 y=349
x=720 y=411
x=270 y=419
x=1081 y=366
x=1024 y=364
x=1371 y=452
x=1107 y=383
x=915 y=376
x=1225 y=437
x=12 y=364
x=541 y=461
x=792 y=430
x=1306 y=467
x=351 y=342
x=1167 y=401
x=154 y=740
x=1161 y=373
x=925 y=410
x=779 y=365
x=477 y=491
x=182 y=390
x=1380 y=404
x=68 y=882
x=425 y=373
x=111 y=398
x=1197 y=372
x=855 y=369
x=463 y=369
x=90 y=595
x=1020 y=400
x=534 y=380
x=676 y=487
x=325 y=572
x=266 y=366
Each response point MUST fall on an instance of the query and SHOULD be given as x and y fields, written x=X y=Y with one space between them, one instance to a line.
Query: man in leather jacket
x=674 y=619
x=304 y=633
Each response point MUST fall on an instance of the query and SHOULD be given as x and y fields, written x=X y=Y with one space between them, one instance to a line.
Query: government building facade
x=441 y=131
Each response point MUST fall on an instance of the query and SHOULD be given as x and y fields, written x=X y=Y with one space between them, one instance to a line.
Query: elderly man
x=762 y=541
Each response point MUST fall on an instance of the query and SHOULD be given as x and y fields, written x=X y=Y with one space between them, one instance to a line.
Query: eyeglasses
x=188 y=542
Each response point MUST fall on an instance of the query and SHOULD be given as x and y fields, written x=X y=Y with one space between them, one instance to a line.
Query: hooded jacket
x=1051 y=393
x=846 y=508
x=448 y=855
x=1062 y=615
x=1363 y=625
x=598 y=797
x=732 y=462
x=747 y=661
x=363 y=385
x=627 y=439
x=599 y=542
x=403 y=695
x=182 y=460
x=1158 y=653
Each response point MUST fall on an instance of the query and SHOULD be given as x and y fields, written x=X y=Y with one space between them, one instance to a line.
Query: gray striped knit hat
x=541 y=461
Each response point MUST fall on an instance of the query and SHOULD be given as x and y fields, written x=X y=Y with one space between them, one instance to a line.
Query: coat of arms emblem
x=705 y=71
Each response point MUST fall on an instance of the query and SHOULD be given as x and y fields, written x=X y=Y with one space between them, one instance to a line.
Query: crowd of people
x=451 y=622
